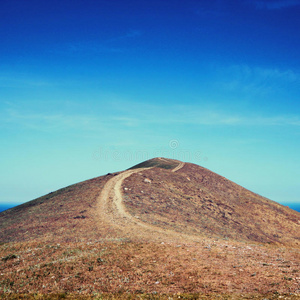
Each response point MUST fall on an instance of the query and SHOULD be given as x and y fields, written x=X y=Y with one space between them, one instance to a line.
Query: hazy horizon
x=91 y=87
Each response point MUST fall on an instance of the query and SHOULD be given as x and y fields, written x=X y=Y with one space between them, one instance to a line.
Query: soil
x=161 y=229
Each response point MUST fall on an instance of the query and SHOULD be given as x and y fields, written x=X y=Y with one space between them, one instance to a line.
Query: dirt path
x=180 y=165
x=111 y=210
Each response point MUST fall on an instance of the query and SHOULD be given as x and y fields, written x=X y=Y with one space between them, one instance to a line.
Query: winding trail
x=111 y=210
x=180 y=165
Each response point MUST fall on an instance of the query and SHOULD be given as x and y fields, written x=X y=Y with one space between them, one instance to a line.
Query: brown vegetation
x=197 y=201
x=190 y=233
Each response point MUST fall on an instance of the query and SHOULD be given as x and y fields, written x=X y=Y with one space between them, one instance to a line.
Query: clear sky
x=90 y=87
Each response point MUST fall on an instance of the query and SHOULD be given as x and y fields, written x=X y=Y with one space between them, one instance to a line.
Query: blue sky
x=90 y=87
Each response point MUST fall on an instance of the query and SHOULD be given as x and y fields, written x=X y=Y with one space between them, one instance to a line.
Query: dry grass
x=64 y=215
x=147 y=297
x=196 y=201
x=57 y=247
x=130 y=267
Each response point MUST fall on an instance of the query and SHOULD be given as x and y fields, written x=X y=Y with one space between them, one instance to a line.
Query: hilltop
x=186 y=218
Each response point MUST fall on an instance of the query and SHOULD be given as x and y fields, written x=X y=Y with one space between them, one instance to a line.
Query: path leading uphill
x=111 y=209
x=180 y=165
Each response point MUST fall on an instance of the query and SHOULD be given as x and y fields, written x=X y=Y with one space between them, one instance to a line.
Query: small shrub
x=100 y=260
x=288 y=278
x=8 y=257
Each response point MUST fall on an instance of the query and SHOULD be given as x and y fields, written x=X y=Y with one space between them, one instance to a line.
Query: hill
x=187 y=219
x=197 y=201
x=191 y=200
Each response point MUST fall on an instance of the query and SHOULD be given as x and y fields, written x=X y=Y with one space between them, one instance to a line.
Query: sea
x=6 y=206
x=294 y=206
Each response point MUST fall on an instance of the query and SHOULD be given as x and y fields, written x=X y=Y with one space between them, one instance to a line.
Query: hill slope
x=197 y=201
x=162 y=227
x=160 y=195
